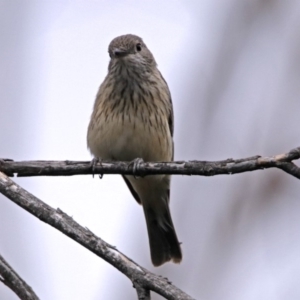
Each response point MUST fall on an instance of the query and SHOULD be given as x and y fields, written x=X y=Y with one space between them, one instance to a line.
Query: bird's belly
x=126 y=140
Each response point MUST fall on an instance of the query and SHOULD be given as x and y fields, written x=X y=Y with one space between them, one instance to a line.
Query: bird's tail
x=164 y=245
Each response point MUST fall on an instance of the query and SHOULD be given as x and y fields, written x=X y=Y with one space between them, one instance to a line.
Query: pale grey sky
x=233 y=71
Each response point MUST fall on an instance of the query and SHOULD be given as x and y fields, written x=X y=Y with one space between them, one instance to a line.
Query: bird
x=132 y=120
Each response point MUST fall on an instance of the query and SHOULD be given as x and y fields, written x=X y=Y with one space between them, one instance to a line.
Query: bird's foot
x=94 y=163
x=136 y=166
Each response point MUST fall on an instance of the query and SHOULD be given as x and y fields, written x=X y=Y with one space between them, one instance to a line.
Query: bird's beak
x=119 y=52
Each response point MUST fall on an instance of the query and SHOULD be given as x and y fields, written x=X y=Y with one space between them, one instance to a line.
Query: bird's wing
x=133 y=192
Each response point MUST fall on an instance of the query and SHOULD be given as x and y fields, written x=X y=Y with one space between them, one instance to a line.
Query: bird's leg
x=94 y=163
x=136 y=166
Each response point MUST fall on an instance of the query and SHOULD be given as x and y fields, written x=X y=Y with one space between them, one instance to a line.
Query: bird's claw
x=94 y=163
x=136 y=166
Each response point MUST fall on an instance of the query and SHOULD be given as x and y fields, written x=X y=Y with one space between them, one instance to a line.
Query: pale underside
x=124 y=140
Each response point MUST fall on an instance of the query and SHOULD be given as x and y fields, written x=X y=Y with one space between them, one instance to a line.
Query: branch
x=12 y=280
x=203 y=168
x=143 y=294
x=140 y=277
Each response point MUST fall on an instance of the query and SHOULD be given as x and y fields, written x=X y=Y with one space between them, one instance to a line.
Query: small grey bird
x=133 y=118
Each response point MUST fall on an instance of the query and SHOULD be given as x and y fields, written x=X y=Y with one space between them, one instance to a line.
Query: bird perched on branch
x=133 y=118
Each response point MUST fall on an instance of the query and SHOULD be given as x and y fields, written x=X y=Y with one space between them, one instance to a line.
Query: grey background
x=234 y=73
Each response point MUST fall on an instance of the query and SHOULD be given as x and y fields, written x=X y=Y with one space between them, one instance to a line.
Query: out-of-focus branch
x=12 y=280
x=195 y=167
x=140 y=277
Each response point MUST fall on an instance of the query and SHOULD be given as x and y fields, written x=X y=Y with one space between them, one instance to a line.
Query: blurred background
x=233 y=68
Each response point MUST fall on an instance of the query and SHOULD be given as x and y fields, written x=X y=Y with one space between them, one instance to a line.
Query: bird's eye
x=139 y=47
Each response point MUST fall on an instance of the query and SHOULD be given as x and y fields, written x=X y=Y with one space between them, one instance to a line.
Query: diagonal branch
x=140 y=277
x=202 y=168
x=12 y=280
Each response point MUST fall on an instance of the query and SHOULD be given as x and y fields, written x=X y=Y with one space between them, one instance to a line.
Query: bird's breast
x=128 y=132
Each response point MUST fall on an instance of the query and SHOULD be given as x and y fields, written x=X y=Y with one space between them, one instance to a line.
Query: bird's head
x=130 y=51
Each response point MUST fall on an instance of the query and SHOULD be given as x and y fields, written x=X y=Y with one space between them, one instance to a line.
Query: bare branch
x=142 y=279
x=59 y=220
x=143 y=294
x=12 y=280
x=203 y=168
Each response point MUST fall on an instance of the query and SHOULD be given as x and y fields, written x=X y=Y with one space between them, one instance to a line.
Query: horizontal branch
x=11 y=279
x=140 y=277
x=203 y=168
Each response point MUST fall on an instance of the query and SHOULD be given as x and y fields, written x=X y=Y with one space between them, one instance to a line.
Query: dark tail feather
x=164 y=245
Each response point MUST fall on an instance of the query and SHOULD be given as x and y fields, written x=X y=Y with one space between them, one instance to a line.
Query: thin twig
x=202 y=168
x=61 y=221
x=12 y=280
